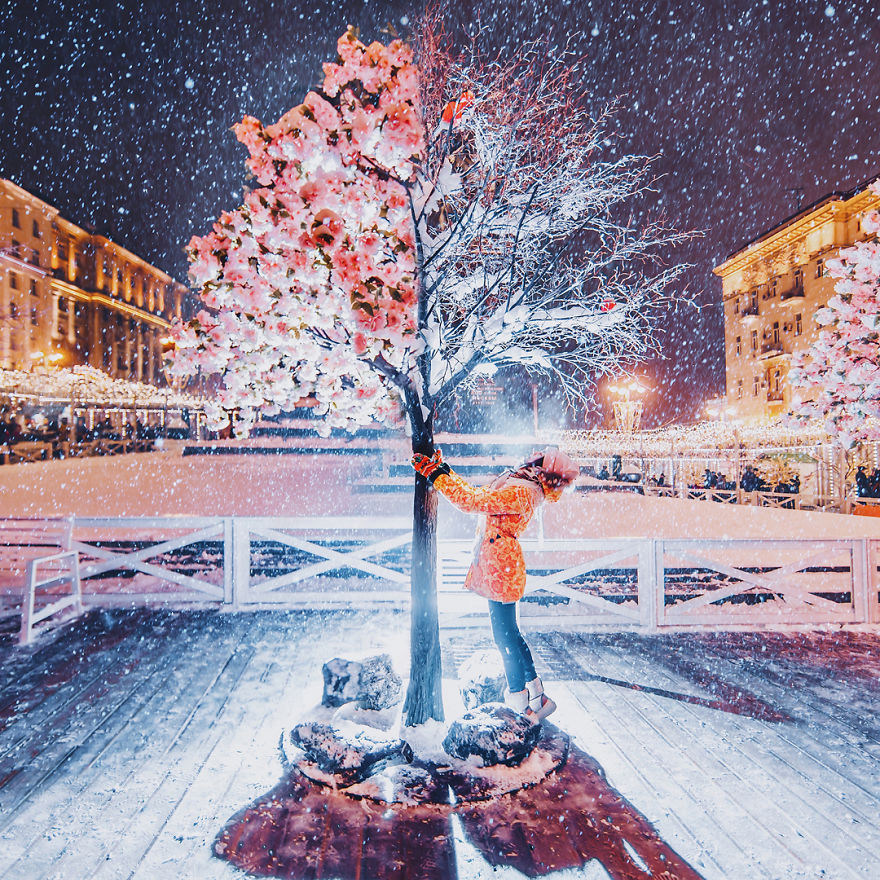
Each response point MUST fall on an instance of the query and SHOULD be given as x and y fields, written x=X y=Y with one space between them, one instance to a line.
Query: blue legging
x=518 y=664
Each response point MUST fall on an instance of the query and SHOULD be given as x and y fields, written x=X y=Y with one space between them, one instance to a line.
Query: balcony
x=770 y=350
x=794 y=293
x=750 y=312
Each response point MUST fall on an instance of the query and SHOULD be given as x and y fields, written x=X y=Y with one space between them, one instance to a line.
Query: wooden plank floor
x=129 y=739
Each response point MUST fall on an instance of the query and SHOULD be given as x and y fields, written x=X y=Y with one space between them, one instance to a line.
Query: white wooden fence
x=244 y=562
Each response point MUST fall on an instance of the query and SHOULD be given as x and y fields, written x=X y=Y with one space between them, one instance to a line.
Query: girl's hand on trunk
x=432 y=467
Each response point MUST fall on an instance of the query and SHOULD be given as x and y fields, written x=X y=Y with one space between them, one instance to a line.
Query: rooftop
x=837 y=196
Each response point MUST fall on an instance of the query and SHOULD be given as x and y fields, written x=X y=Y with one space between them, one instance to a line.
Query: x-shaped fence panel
x=785 y=591
x=148 y=532
x=591 y=599
x=550 y=565
x=314 y=539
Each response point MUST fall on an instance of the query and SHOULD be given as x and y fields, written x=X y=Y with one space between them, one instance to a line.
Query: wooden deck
x=128 y=740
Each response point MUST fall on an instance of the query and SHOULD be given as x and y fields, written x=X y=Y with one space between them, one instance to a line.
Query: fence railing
x=249 y=562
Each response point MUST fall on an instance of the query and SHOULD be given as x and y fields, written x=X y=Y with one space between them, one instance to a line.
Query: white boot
x=518 y=701
x=540 y=705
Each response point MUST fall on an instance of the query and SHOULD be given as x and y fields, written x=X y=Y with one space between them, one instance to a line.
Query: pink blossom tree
x=838 y=377
x=415 y=226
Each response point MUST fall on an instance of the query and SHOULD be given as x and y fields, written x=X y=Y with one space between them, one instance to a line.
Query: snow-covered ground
x=168 y=484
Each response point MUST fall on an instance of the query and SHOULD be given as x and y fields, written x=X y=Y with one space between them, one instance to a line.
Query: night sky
x=119 y=115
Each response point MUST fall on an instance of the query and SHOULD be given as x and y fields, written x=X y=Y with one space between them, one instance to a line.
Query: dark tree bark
x=424 y=698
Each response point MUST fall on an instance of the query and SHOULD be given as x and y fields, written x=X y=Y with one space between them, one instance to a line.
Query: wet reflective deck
x=130 y=741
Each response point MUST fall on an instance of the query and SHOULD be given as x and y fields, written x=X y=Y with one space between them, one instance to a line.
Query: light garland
x=704 y=440
x=85 y=386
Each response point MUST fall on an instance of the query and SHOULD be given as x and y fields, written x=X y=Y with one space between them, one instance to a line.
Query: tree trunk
x=424 y=699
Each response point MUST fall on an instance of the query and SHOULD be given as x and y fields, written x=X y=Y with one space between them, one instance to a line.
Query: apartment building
x=69 y=296
x=771 y=288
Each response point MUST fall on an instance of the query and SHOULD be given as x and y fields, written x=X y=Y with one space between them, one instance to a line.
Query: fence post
x=649 y=583
x=228 y=561
x=861 y=581
x=871 y=578
x=241 y=562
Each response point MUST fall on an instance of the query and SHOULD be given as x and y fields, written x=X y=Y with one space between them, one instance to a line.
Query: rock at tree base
x=379 y=686
x=470 y=783
x=346 y=752
x=402 y=784
x=372 y=683
x=494 y=733
x=384 y=719
x=341 y=680
x=482 y=680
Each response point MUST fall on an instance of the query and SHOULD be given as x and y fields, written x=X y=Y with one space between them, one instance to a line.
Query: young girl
x=498 y=571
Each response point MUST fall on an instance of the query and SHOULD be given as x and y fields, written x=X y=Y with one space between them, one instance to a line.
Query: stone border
x=426 y=783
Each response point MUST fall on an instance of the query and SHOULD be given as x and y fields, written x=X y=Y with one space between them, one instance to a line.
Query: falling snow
x=119 y=115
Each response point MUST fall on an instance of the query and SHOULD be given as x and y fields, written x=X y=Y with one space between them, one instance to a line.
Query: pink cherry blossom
x=840 y=373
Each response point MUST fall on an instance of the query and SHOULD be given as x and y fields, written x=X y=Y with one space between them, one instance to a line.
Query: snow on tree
x=839 y=374
x=415 y=226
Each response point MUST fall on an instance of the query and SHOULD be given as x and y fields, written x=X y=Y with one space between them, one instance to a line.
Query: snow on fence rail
x=248 y=562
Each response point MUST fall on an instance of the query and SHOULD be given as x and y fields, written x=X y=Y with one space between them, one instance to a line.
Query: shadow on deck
x=128 y=739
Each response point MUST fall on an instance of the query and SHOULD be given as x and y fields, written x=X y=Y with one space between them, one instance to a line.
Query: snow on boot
x=518 y=701
x=540 y=705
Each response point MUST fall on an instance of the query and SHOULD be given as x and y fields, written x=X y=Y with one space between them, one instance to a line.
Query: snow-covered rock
x=379 y=686
x=482 y=680
x=345 y=751
x=341 y=681
x=371 y=683
x=471 y=783
x=381 y=719
x=402 y=784
x=494 y=733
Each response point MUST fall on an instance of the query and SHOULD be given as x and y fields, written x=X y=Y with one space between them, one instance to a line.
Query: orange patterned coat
x=498 y=571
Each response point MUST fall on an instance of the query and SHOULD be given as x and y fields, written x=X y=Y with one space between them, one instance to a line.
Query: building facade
x=68 y=296
x=771 y=288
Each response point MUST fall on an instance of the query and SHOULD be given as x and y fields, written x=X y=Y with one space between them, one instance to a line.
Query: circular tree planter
x=429 y=782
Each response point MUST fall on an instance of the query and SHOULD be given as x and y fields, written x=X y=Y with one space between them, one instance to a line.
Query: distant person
x=750 y=480
x=603 y=473
x=863 y=484
x=498 y=571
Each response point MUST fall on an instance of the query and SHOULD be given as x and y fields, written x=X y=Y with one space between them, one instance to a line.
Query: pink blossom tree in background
x=416 y=225
x=838 y=377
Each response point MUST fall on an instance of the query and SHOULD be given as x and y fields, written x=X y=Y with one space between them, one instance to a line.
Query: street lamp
x=628 y=407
